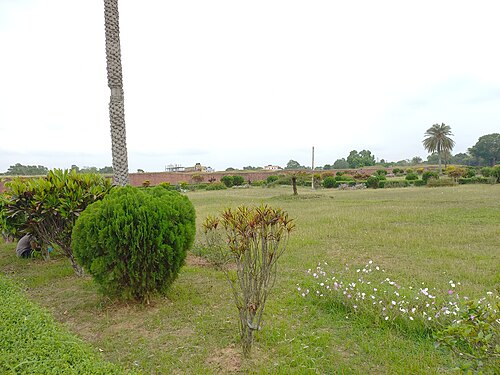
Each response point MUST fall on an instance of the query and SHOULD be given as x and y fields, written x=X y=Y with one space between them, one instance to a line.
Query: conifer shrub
x=372 y=182
x=329 y=182
x=134 y=242
x=430 y=174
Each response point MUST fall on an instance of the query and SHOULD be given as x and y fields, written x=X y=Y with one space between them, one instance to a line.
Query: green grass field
x=430 y=235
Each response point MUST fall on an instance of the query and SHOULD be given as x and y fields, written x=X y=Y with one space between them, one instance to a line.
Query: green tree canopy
x=363 y=158
x=27 y=170
x=438 y=140
x=292 y=164
x=341 y=164
x=488 y=148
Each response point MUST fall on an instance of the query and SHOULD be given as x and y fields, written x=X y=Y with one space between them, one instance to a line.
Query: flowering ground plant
x=471 y=328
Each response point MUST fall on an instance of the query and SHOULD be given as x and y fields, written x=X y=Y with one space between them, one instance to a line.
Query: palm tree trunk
x=439 y=160
x=116 y=103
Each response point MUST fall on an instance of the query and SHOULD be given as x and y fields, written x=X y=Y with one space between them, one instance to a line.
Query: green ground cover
x=430 y=235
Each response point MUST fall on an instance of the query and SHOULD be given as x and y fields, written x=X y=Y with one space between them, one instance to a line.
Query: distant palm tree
x=115 y=83
x=438 y=140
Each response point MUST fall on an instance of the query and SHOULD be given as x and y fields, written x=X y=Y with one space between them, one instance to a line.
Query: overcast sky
x=237 y=83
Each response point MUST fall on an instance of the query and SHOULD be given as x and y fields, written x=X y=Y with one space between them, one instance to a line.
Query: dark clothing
x=23 y=248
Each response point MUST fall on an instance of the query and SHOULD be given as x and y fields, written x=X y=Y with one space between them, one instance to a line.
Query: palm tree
x=115 y=83
x=438 y=140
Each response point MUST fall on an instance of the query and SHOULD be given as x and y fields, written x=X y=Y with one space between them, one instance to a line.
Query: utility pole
x=312 y=179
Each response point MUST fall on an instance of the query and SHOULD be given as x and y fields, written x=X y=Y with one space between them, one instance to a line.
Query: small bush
x=372 y=182
x=134 y=241
x=419 y=183
x=420 y=171
x=441 y=182
x=271 y=179
x=473 y=180
x=227 y=180
x=216 y=186
x=411 y=176
x=238 y=180
x=395 y=184
x=344 y=177
x=397 y=171
x=381 y=172
x=409 y=170
x=486 y=171
x=496 y=172
x=470 y=172
x=258 y=183
x=429 y=174
x=329 y=182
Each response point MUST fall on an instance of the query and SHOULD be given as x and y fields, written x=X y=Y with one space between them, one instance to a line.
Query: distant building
x=174 y=168
x=272 y=168
x=198 y=168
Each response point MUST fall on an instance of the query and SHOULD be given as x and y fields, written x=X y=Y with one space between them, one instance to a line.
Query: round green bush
x=372 y=182
x=227 y=180
x=329 y=182
x=271 y=179
x=135 y=241
x=411 y=176
x=238 y=180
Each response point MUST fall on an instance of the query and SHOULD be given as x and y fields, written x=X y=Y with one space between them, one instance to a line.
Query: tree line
x=19 y=169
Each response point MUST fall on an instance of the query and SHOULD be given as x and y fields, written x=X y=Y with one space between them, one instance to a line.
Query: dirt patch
x=193 y=260
x=226 y=360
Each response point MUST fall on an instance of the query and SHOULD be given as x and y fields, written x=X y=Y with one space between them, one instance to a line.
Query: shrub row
x=32 y=343
x=474 y=180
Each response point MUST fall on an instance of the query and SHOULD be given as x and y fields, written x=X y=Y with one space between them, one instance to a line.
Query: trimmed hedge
x=32 y=343
x=474 y=180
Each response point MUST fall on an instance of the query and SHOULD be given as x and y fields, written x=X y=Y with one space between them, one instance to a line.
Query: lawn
x=430 y=235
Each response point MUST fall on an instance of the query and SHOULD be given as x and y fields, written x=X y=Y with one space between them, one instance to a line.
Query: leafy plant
x=486 y=171
x=48 y=207
x=496 y=172
x=475 y=334
x=256 y=238
x=411 y=176
x=134 y=241
x=430 y=174
x=455 y=172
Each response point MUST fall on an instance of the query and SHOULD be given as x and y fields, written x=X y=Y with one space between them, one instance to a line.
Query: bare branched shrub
x=255 y=238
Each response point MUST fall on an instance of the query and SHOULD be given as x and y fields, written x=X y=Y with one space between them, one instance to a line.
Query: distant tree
x=250 y=168
x=89 y=170
x=27 y=170
x=341 y=164
x=363 y=158
x=106 y=170
x=327 y=167
x=292 y=164
x=416 y=160
x=140 y=171
x=438 y=140
x=403 y=163
x=230 y=169
x=75 y=168
x=461 y=159
x=488 y=148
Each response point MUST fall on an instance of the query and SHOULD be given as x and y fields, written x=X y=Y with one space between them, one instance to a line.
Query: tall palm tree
x=438 y=140
x=115 y=83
